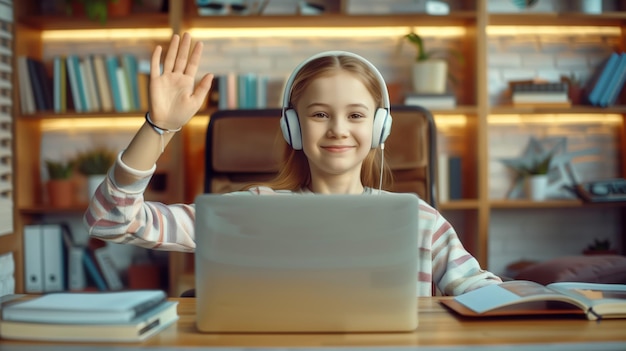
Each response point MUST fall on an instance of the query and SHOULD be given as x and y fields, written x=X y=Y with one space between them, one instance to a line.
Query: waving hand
x=174 y=95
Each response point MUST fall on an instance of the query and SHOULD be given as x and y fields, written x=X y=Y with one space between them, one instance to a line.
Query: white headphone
x=290 y=125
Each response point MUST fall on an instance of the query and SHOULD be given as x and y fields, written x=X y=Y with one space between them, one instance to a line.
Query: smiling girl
x=336 y=115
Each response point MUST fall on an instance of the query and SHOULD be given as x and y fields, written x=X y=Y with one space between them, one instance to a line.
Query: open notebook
x=306 y=263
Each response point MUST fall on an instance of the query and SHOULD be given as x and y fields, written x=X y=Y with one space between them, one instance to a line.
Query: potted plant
x=430 y=70
x=59 y=186
x=575 y=88
x=600 y=247
x=99 y=10
x=94 y=164
x=535 y=175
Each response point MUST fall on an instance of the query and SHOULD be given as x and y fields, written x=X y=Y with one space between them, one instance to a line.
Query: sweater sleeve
x=119 y=214
x=455 y=271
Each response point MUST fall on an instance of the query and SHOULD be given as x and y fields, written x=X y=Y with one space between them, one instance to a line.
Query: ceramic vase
x=537 y=187
x=429 y=77
x=60 y=192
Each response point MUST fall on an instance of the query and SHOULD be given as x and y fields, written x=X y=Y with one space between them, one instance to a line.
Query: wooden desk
x=437 y=326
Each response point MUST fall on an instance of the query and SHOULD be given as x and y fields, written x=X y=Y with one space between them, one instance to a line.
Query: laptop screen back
x=306 y=263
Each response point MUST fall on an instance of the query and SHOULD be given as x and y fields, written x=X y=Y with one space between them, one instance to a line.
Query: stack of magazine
x=125 y=316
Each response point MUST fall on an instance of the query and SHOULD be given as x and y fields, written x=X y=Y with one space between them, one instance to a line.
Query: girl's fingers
x=155 y=67
x=183 y=53
x=202 y=89
x=194 y=59
x=170 y=56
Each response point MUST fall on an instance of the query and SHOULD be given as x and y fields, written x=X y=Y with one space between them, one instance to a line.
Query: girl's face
x=336 y=114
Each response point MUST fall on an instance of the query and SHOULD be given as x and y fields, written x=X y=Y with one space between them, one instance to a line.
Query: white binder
x=33 y=255
x=53 y=277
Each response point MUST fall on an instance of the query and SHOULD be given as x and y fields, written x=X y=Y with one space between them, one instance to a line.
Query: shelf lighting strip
x=328 y=32
x=552 y=30
x=517 y=119
x=106 y=34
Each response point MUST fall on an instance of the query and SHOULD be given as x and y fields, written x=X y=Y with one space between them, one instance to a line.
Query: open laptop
x=306 y=263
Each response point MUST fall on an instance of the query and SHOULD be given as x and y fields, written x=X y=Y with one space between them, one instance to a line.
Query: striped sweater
x=120 y=214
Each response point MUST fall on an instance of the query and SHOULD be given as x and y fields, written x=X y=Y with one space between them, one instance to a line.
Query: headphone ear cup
x=382 y=127
x=290 y=126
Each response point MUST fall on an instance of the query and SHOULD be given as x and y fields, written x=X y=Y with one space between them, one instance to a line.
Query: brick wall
x=514 y=234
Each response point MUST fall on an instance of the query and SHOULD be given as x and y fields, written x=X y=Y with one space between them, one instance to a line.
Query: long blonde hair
x=295 y=173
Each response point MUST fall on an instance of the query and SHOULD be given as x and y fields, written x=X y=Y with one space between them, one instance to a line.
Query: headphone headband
x=290 y=124
x=335 y=53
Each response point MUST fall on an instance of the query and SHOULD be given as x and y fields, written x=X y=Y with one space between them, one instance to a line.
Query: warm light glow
x=518 y=119
x=444 y=122
x=107 y=34
x=105 y=123
x=333 y=32
x=552 y=30
x=199 y=122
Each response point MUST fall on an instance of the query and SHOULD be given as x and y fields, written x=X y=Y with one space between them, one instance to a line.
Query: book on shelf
x=85 y=307
x=104 y=273
x=140 y=328
x=602 y=79
x=615 y=85
x=521 y=297
x=449 y=178
x=431 y=101
x=536 y=93
x=27 y=96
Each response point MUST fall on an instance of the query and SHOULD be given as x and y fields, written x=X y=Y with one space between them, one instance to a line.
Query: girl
x=335 y=116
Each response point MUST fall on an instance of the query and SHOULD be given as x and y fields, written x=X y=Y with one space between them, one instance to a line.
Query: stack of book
x=431 y=101
x=608 y=82
x=125 y=316
x=541 y=94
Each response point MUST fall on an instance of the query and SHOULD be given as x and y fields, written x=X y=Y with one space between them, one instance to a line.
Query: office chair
x=246 y=146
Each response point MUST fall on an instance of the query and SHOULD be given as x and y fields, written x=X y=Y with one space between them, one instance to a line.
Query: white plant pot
x=430 y=76
x=93 y=182
x=537 y=187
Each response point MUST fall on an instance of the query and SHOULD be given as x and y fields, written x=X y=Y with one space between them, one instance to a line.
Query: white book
x=102 y=80
x=90 y=82
x=122 y=85
x=87 y=308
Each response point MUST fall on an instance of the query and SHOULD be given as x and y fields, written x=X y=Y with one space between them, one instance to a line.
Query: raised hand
x=174 y=96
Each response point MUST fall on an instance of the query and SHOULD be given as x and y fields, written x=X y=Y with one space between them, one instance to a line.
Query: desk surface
x=437 y=327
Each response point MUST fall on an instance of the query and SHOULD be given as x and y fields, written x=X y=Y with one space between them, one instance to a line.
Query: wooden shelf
x=45 y=209
x=459 y=110
x=607 y=19
x=331 y=20
x=583 y=110
x=86 y=115
x=459 y=205
x=523 y=203
x=158 y=20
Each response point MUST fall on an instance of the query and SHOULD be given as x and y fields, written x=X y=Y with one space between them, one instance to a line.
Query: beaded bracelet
x=160 y=130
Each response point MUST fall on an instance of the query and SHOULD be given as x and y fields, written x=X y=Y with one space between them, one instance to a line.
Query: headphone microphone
x=290 y=124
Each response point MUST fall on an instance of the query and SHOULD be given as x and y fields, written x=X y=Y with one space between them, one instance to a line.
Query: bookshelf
x=471 y=216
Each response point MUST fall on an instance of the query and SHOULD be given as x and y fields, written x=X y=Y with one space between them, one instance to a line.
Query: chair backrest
x=246 y=146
